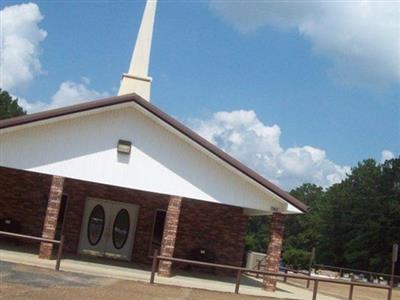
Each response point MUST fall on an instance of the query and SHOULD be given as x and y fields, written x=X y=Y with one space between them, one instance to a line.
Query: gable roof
x=41 y=116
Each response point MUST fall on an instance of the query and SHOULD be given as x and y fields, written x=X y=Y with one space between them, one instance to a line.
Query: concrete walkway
x=249 y=285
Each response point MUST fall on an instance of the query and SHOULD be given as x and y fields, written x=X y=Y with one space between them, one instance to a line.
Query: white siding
x=85 y=148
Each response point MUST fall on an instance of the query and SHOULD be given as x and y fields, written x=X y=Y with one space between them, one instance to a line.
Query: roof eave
x=54 y=113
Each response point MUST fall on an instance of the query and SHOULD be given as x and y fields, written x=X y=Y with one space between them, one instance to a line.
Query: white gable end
x=84 y=147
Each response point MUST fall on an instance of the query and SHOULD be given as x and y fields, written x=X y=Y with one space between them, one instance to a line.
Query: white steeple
x=137 y=79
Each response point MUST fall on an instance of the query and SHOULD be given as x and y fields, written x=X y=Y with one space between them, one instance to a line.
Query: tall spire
x=137 y=79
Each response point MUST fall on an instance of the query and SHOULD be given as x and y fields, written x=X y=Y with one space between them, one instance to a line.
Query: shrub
x=297 y=258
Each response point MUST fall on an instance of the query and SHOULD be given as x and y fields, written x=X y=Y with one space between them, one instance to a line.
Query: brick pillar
x=169 y=235
x=274 y=250
x=50 y=221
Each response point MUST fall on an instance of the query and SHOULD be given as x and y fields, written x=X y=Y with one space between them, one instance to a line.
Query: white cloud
x=20 y=45
x=361 y=37
x=68 y=93
x=244 y=136
x=386 y=155
x=31 y=106
x=71 y=92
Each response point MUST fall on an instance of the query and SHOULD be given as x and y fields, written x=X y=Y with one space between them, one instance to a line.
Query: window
x=121 y=229
x=95 y=225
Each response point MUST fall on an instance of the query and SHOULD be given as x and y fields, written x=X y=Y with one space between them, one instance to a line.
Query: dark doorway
x=158 y=230
x=61 y=216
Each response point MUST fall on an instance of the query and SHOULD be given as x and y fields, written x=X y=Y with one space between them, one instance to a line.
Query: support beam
x=169 y=235
x=52 y=212
x=274 y=250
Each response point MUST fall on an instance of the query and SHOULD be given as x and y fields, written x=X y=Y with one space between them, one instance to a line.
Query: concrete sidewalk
x=249 y=285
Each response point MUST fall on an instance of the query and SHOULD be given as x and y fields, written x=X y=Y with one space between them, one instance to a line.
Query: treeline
x=351 y=224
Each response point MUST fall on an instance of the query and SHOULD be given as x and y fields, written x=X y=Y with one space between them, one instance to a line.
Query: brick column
x=274 y=250
x=169 y=235
x=50 y=221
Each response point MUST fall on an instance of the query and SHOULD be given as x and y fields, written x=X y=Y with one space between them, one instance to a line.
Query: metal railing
x=239 y=271
x=259 y=262
x=341 y=271
x=60 y=243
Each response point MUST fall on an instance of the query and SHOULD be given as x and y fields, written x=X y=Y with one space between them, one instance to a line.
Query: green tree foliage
x=352 y=224
x=361 y=220
x=296 y=258
x=258 y=232
x=9 y=107
x=300 y=229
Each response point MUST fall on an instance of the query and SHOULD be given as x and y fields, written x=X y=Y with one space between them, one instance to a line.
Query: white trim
x=66 y=117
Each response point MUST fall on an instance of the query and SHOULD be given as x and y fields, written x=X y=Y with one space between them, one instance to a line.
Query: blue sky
x=218 y=56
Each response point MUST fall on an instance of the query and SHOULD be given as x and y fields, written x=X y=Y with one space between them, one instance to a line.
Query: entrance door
x=108 y=228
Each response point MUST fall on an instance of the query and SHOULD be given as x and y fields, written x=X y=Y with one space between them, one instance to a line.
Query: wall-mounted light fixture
x=124 y=147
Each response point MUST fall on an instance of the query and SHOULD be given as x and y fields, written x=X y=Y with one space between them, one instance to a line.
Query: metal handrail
x=60 y=243
x=355 y=270
x=157 y=258
x=258 y=265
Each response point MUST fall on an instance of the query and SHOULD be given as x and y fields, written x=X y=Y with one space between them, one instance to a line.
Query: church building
x=119 y=178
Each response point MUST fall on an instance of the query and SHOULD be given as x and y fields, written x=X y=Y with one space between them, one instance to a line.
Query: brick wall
x=219 y=228
x=23 y=198
x=215 y=227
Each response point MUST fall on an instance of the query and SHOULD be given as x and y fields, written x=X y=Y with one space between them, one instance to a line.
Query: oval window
x=121 y=228
x=96 y=223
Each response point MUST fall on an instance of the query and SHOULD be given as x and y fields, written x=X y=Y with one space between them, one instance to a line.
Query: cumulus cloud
x=20 y=45
x=71 y=92
x=362 y=38
x=31 y=106
x=386 y=155
x=243 y=135
x=68 y=93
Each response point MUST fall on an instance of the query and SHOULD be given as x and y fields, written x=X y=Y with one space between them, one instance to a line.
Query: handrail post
x=59 y=252
x=315 y=290
x=285 y=278
x=239 y=274
x=389 y=294
x=351 y=292
x=395 y=254
x=154 y=266
x=312 y=258
x=308 y=280
x=258 y=267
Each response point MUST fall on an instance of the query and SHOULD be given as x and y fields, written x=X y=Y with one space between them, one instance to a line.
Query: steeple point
x=137 y=79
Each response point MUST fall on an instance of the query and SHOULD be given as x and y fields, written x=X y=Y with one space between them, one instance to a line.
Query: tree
x=258 y=232
x=362 y=221
x=352 y=224
x=9 y=107
x=302 y=231
x=297 y=258
x=361 y=218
